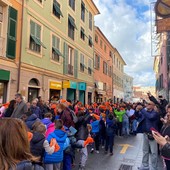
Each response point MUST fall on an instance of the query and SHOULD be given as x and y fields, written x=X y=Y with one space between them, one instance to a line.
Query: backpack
x=73 y=115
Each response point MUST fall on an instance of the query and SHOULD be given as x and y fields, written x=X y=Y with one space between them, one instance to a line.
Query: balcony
x=2 y=46
x=70 y=69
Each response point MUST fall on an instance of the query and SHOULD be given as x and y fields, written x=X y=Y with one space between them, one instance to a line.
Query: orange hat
x=102 y=107
x=107 y=103
x=63 y=101
x=6 y=104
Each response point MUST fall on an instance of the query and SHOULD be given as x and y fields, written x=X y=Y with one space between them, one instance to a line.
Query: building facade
x=128 y=88
x=57 y=50
x=10 y=40
x=103 y=64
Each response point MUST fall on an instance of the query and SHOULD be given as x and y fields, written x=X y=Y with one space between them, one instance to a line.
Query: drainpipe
x=19 y=64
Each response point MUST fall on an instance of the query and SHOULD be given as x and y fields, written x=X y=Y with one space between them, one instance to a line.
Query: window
x=104 y=67
x=35 y=37
x=82 y=34
x=110 y=71
x=56 y=9
x=12 y=33
x=104 y=86
x=81 y=62
x=71 y=27
x=90 y=41
x=101 y=44
x=70 y=60
x=55 y=48
x=1 y=13
x=40 y=1
x=96 y=38
x=72 y=4
x=89 y=67
x=105 y=48
x=97 y=62
x=82 y=11
x=110 y=54
x=90 y=21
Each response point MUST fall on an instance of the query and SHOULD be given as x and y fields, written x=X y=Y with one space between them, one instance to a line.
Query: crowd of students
x=56 y=129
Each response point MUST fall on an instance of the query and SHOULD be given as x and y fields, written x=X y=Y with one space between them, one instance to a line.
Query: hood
x=32 y=117
x=60 y=135
x=37 y=137
x=46 y=121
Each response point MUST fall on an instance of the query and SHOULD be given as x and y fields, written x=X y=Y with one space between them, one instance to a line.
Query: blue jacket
x=46 y=121
x=148 y=119
x=56 y=157
x=95 y=126
x=31 y=120
x=36 y=110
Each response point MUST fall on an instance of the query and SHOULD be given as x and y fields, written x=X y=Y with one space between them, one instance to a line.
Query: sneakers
x=111 y=154
x=81 y=167
x=97 y=151
x=92 y=150
x=143 y=168
x=102 y=147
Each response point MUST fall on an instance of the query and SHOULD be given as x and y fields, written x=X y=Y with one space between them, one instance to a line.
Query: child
x=54 y=161
x=110 y=132
x=38 y=143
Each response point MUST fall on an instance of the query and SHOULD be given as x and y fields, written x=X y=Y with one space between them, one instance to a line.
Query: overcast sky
x=126 y=24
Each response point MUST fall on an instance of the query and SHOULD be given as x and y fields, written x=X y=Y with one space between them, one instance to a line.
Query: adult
x=35 y=109
x=149 y=119
x=15 y=155
x=20 y=107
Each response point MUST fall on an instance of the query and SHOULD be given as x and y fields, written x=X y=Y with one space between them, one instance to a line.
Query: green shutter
x=57 y=8
x=65 y=62
x=11 y=35
x=4 y=75
x=75 y=63
x=32 y=28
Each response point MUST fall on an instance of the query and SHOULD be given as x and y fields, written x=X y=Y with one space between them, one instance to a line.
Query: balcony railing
x=70 y=69
x=2 y=46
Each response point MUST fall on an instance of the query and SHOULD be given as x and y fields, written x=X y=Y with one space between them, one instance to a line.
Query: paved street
x=132 y=156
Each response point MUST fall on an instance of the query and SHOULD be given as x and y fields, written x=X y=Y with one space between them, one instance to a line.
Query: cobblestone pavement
x=123 y=154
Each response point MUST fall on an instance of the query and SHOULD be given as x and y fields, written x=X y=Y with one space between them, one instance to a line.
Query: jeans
x=96 y=138
x=84 y=154
x=134 y=125
x=125 y=127
x=109 y=143
x=67 y=161
x=149 y=146
x=119 y=129
x=52 y=166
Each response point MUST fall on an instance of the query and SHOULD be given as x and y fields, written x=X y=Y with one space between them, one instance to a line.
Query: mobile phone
x=153 y=129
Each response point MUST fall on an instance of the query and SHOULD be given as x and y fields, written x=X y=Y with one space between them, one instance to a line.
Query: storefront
x=71 y=89
x=55 y=89
x=82 y=90
x=4 y=79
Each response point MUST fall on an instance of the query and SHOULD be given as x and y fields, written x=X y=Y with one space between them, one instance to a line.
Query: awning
x=37 y=41
x=4 y=75
x=82 y=30
x=57 y=9
x=90 y=41
x=57 y=52
x=72 y=22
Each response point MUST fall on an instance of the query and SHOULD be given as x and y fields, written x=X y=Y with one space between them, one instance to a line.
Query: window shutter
x=75 y=63
x=38 y=31
x=32 y=30
x=11 y=35
x=65 y=60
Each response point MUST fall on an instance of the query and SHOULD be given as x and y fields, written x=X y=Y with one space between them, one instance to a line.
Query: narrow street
x=127 y=151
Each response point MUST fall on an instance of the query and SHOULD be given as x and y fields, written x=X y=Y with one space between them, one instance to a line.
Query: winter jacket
x=102 y=128
x=36 y=144
x=56 y=157
x=36 y=110
x=31 y=120
x=81 y=126
x=95 y=126
x=110 y=127
x=27 y=165
x=119 y=115
x=148 y=120
x=50 y=126
x=165 y=151
x=66 y=117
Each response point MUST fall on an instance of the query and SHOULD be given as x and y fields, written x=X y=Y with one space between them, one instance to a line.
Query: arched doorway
x=33 y=89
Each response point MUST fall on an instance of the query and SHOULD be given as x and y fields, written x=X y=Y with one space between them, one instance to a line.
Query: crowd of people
x=47 y=135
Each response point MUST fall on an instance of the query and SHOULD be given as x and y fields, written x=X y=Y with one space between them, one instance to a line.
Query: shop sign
x=73 y=85
x=82 y=86
x=66 y=84
x=163 y=25
x=55 y=85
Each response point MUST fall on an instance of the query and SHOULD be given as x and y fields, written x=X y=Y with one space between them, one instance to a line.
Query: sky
x=126 y=24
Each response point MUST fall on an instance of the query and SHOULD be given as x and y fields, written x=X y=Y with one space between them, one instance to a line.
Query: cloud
x=126 y=23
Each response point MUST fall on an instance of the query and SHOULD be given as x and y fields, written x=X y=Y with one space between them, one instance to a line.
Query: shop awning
x=4 y=75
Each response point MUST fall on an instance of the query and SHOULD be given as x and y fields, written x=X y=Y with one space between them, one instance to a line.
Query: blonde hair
x=14 y=144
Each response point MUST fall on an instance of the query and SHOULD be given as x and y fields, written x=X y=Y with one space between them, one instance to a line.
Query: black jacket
x=27 y=165
x=165 y=151
x=81 y=126
x=36 y=144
